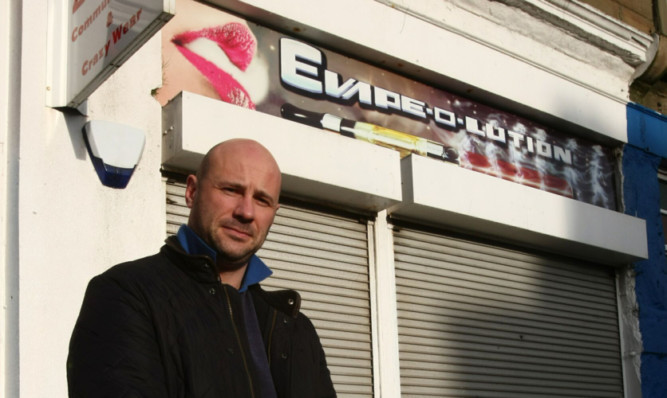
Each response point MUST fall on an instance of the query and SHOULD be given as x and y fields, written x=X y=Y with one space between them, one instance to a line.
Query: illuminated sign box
x=90 y=39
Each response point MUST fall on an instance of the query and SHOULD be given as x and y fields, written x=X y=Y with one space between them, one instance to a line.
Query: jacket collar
x=201 y=268
x=192 y=244
x=286 y=301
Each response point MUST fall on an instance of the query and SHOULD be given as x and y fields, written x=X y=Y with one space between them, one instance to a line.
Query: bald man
x=193 y=320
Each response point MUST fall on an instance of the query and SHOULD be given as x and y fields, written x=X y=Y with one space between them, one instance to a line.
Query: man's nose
x=245 y=208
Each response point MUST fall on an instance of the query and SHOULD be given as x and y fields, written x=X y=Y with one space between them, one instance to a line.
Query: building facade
x=471 y=197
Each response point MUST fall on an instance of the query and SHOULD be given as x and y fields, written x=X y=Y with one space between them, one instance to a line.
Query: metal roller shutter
x=325 y=258
x=477 y=320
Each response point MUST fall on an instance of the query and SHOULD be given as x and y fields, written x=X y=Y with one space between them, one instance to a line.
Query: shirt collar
x=256 y=272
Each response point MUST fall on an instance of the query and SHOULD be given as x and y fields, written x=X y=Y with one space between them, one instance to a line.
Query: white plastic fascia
x=563 y=37
x=315 y=164
x=592 y=25
x=445 y=195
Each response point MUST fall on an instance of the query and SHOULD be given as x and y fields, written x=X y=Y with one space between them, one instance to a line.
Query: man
x=192 y=320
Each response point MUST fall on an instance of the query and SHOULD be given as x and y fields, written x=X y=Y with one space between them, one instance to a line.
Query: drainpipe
x=655 y=68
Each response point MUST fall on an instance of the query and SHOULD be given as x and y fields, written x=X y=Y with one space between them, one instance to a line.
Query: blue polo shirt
x=256 y=272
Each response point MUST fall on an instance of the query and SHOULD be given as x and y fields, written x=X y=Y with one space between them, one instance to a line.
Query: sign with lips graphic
x=222 y=56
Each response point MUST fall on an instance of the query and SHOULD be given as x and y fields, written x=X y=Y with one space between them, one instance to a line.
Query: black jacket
x=164 y=326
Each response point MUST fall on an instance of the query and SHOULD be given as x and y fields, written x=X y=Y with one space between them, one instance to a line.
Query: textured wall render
x=641 y=158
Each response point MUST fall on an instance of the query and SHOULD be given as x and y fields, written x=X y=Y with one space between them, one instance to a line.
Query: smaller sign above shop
x=90 y=39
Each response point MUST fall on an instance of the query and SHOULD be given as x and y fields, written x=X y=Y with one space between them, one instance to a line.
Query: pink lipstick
x=239 y=46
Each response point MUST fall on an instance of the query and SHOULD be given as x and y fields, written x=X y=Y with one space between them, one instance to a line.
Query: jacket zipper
x=238 y=341
x=270 y=339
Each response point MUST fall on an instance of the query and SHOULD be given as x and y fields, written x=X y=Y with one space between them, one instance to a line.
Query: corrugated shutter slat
x=482 y=320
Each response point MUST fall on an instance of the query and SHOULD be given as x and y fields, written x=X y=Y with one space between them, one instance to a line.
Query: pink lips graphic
x=239 y=45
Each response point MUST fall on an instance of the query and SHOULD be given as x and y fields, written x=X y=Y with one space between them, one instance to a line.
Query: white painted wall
x=71 y=227
x=8 y=311
x=571 y=40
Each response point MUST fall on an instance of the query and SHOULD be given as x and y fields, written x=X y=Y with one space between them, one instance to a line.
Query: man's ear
x=190 y=190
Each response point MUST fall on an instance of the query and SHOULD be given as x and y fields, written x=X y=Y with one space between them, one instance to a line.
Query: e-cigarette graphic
x=402 y=142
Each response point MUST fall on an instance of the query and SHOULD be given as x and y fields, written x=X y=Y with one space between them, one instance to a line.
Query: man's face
x=234 y=203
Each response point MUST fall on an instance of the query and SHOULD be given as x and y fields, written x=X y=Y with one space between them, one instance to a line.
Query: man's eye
x=263 y=202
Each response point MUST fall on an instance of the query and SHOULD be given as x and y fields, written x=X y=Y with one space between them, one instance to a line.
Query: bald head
x=239 y=146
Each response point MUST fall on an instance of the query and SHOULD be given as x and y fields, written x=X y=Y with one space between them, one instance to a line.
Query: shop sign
x=90 y=39
x=209 y=52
